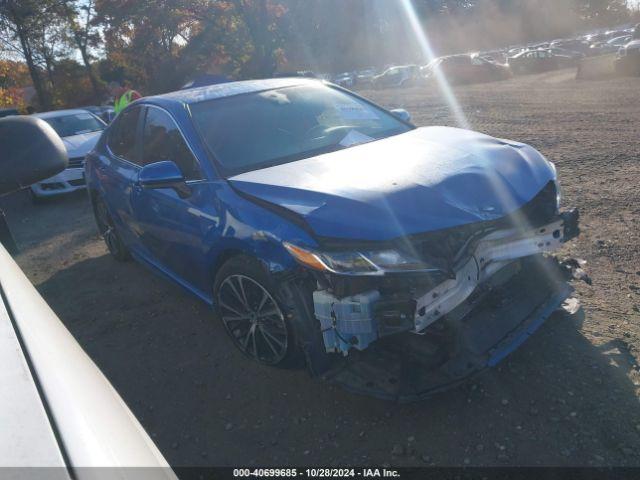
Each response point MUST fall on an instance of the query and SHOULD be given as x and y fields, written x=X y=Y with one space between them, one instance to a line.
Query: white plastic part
x=493 y=252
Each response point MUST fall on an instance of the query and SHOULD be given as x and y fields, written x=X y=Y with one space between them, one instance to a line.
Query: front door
x=172 y=229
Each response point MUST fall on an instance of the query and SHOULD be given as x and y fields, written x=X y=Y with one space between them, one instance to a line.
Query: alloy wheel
x=108 y=230
x=253 y=319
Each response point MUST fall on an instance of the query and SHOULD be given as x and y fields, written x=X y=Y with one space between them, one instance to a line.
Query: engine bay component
x=479 y=333
x=346 y=322
x=491 y=253
x=356 y=321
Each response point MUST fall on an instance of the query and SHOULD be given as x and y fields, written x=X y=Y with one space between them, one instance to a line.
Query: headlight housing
x=556 y=181
x=371 y=262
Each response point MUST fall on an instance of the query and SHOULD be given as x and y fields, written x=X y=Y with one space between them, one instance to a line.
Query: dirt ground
x=568 y=396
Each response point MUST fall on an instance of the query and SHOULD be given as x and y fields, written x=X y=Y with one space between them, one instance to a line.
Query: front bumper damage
x=405 y=345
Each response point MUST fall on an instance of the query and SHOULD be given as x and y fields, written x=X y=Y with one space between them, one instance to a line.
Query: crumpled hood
x=423 y=180
x=80 y=145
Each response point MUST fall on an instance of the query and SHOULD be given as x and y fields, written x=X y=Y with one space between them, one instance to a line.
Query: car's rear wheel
x=109 y=233
x=35 y=199
x=248 y=306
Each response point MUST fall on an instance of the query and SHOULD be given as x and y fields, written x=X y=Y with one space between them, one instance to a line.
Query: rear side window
x=122 y=138
x=162 y=140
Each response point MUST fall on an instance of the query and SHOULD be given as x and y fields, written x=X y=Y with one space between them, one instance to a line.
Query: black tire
x=107 y=229
x=253 y=313
x=36 y=200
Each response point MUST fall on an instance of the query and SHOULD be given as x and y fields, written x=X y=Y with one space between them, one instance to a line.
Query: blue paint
x=423 y=180
x=541 y=316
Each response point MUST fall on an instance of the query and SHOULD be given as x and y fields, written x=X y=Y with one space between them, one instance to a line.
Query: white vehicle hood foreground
x=80 y=145
x=56 y=408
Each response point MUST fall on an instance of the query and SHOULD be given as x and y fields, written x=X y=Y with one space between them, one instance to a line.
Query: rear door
x=170 y=229
x=118 y=170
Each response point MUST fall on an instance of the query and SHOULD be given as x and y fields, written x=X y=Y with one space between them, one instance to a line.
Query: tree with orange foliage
x=14 y=76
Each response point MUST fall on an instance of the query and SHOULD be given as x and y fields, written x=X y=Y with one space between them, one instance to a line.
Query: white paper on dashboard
x=354 y=137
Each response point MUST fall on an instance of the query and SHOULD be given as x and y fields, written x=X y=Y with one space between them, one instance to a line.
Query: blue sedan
x=326 y=230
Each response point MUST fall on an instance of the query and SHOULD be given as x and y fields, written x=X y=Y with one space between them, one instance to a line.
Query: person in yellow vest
x=123 y=95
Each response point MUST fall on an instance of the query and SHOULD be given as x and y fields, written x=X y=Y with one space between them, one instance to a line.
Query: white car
x=79 y=130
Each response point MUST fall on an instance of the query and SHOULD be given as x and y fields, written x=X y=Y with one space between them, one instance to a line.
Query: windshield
x=75 y=124
x=248 y=132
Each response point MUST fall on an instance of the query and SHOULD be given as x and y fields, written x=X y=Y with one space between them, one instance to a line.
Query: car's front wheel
x=247 y=303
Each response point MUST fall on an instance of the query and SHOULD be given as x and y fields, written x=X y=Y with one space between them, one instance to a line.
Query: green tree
x=21 y=29
x=81 y=34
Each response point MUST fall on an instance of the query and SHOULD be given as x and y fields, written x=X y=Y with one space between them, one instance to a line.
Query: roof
x=59 y=113
x=211 y=92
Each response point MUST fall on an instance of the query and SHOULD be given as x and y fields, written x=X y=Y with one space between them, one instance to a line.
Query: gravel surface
x=569 y=396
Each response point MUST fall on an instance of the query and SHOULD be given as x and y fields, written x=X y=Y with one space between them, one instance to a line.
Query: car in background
x=611 y=34
x=296 y=73
x=399 y=76
x=364 y=78
x=595 y=37
x=105 y=112
x=515 y=50
x=538 y=61
x=345 y=79
x=495 y=56
x=620 y=41
x=328 y=229
x=79 y=130
x=571 y=54
x=465 y=69
x=627 y=60
x=5 y=112
x=538 y=46
x=606 y=47
x=574 y=45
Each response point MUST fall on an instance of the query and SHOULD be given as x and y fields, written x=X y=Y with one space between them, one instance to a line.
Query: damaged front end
x=412 y=317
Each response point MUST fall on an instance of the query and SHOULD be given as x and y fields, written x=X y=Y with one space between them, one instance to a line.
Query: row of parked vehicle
x=79 y=130
x=499 y=64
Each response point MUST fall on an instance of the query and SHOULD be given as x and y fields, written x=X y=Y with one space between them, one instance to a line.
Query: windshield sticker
x=354 y=138
x=353 y=111
x=84 y=116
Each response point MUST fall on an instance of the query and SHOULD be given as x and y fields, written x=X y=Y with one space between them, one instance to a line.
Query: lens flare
x=423 y=41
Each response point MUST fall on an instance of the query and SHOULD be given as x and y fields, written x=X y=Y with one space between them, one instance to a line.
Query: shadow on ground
x=559 y=400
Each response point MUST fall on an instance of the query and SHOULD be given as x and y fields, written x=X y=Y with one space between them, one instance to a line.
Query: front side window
x=162 y=140
x=122 y=135
x=75 y=124
x=256 y=130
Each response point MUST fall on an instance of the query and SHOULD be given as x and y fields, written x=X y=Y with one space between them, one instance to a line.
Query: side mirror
x=30 y=151
x=164 y=174
x=402 y=114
